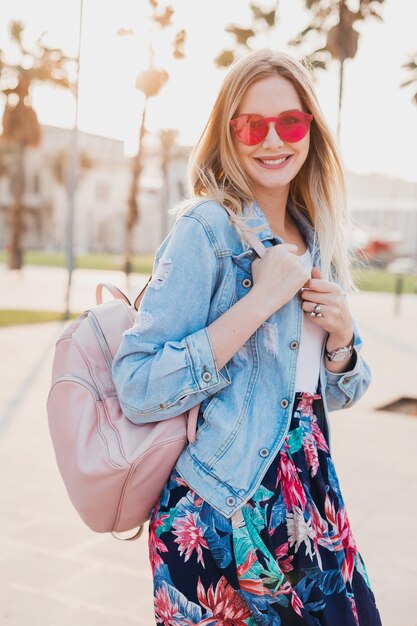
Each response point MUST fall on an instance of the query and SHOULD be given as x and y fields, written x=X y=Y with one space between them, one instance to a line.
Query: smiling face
x=262 y=163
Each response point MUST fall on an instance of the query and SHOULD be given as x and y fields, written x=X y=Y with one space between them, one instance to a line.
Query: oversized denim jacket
x=165 y=364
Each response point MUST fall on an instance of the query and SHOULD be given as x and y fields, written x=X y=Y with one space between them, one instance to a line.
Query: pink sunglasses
x=291 y=126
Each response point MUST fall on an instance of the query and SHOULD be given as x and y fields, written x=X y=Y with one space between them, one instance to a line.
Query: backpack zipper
x=108 y=358
x=101 y=340
x=77 y=379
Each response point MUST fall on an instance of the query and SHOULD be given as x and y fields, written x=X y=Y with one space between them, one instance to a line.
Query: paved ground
x=56 y=572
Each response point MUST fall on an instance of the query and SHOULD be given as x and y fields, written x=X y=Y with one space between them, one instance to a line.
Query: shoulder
x=214 y=219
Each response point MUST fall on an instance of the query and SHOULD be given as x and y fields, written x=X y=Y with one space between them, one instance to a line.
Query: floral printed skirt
x=287 y=557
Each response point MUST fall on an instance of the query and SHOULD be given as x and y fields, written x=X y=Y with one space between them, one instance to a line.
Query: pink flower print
x=198 y=500
x=225 y=605
x=258 y=586
x=305 y=404
x=156 y=544
x=179 y=479
x=321 y=532
x=296 y=603
x=284 y=563
x=318 y=436
x=245 y=567
x=310 y=451
x=189 y=536
x=342 y=539
x=292 y=488
x=354 y=609
x=348 y=544
x=165 y=610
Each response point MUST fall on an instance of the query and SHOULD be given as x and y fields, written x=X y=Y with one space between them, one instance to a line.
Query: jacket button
x=246 y=282
x=264 y=452
x=230 y=501
x=294 y=345
x=347 y=380
x=284 y=403
x=206 y=376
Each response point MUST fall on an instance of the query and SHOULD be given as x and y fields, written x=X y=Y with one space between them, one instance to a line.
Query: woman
x=251 y=527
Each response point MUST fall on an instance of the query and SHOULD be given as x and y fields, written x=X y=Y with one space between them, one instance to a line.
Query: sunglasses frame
x=307 y=117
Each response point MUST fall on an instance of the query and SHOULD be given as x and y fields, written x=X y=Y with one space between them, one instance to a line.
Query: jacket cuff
x=203 y=363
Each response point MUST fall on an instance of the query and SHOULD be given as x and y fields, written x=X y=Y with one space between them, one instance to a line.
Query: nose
x=272 y=140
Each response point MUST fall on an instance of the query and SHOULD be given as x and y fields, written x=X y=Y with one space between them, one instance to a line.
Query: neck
x=273 y=204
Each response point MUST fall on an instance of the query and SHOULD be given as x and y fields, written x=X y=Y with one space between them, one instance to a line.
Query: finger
x=317 y=297
x=310 y=306
x=323 y=286
x=315 y=272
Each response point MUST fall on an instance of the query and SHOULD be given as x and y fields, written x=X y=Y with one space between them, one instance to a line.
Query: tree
x=167 y=140
x=150 y=83
x=262 y=22
x=334 y=20
x=60 y=165
x=411 y=65
x=21 y=129
x=331 y=19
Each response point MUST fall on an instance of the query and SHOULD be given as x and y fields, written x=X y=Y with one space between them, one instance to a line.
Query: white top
x=309 y=350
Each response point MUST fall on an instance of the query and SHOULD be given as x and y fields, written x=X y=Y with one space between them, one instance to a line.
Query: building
x=383 y=208
x=101 y=197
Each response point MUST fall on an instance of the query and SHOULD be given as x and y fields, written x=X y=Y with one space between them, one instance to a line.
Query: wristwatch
x=340 y=354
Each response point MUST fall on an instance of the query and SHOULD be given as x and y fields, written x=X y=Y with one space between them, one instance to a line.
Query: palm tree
x=167 y=139
x=150 y=83
x=331 y=18
x=262 y=22
x=411 y=65
x=21 y=129
x=334 y=20
x=60 y=165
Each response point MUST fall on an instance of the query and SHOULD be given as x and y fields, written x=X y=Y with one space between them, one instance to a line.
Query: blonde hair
x=318 y=189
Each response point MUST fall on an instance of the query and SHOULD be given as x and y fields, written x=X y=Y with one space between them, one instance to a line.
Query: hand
x=278 y=276
x=336 y=319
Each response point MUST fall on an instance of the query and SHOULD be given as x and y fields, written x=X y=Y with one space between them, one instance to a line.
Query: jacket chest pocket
x=242 y=265
x=237 y=279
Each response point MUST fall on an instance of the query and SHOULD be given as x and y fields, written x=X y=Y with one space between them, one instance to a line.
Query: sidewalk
x=45 y=288
x=55 y=571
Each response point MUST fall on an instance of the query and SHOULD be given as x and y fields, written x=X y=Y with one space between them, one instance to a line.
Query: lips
x=274 y=162
x=273 y=158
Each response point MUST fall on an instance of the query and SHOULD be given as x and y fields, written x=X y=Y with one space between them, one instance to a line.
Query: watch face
x=342 y=355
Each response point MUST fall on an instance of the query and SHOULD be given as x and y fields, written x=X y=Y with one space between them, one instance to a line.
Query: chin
x=272 y=184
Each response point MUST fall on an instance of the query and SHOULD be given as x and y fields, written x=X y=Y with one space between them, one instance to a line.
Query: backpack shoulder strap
x=115 y=292
x=252 y=239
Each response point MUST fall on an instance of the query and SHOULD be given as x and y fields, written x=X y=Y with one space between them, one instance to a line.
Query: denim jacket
x=165 y=364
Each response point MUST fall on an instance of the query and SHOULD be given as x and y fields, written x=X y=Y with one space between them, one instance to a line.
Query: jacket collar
x=259 y=218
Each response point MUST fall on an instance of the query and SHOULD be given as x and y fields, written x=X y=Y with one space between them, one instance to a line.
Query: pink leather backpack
x=114 y=470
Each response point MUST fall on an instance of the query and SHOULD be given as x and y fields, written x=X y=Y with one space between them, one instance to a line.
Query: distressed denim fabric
x=165 y=364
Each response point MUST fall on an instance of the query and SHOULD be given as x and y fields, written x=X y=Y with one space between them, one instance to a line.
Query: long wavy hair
x=318 y=189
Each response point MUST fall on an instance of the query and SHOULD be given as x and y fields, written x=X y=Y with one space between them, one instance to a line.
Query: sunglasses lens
x=251 y=129
x=292 y=127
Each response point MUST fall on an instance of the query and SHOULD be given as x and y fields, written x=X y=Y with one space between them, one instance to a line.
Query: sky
x=109 y=105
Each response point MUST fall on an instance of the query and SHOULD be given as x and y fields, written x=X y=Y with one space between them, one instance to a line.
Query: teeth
x=274 y=162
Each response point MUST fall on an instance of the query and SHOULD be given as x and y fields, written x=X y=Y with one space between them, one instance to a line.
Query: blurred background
x=100 y=105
